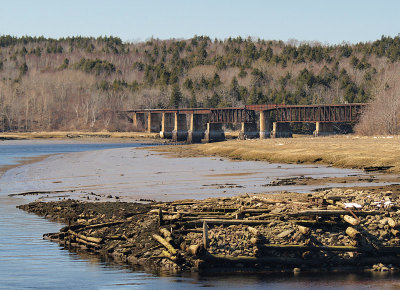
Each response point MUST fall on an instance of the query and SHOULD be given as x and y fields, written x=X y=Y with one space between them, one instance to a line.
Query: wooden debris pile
x=327 y=229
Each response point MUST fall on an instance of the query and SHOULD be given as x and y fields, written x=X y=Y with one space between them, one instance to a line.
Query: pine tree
x=176 y=97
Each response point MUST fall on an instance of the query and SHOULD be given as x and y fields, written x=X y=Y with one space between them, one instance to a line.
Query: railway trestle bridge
x=263 y=121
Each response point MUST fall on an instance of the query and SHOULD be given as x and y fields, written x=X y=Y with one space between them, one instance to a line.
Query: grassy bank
x=339 y=151
x=65 y=135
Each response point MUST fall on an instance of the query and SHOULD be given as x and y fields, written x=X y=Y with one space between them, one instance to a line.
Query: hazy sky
x=326 y=21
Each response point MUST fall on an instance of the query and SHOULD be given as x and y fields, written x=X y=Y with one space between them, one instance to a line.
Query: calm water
x=27 y=261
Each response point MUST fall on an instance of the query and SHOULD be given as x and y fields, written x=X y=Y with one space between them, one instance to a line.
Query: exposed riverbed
x=28 y=261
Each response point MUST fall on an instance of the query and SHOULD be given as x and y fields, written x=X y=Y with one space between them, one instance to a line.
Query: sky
x=328 y=22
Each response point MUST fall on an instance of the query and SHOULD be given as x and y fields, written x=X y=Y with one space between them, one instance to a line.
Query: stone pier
x=214 y=132
x=281 y=130
x=153 y=122
x=196 y=132
x=180 y=127
x=138 y=121
x=248 y=131
x=167 y=125
x=323 y=129
x=265 y=125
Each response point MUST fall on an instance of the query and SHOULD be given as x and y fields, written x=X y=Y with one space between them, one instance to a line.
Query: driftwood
x=313 y=248
x=304 y=230
x=353 y=233
x=391 y=222
x=168 y=255
x=318 y=212
x=351 y=220
x=86 y=238
x=82 y=241
x=102 y=225
x=205 y=235
x=166 y=244
x=167 y=234
x=195 y=250
x=233 y=222
x=254 y=231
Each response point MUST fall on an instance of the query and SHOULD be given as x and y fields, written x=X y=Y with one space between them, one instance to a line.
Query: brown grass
x=343 y=151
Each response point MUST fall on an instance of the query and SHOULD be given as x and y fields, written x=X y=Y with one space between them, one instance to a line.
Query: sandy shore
x=133 y=174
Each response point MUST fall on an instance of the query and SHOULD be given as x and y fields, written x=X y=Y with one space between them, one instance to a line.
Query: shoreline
x=266 y=212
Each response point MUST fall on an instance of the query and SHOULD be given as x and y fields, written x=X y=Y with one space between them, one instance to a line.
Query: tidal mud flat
x=328 y=230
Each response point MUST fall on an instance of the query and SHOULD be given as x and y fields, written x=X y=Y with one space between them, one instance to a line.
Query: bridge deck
x=281 y=113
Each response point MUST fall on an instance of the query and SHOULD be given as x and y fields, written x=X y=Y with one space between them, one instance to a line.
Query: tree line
x=81 y=83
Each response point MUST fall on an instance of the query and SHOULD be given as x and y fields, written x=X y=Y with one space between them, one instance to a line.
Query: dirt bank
x=337 y=229
x=96 y=136
x=338 y=151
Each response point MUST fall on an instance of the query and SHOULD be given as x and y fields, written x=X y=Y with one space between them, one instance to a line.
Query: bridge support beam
x=138 y=121
x=248 y=131
x=214 y=132
x=323 y=129
x=281 y=130
x=265 y=125
x=167 y=125
x=196 y=132
x=153 y=122
x=180 y=127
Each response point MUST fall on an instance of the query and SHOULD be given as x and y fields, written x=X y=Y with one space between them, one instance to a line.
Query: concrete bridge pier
x=167 y=125
x=180 y=127
x=214 y=132
x=196 y=131
x=248 y=131
x=265 y=125
x=281 y=130
x=153 y=122
x=138 y=121
x=323 y=129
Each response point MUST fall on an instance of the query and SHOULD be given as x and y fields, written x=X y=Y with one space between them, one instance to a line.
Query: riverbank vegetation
x=80 y=83
x=343 y=151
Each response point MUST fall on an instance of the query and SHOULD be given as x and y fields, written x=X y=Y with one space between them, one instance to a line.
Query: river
x=27 y=261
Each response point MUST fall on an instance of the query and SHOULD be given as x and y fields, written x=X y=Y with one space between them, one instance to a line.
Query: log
x=233 y=222
x=260 y=217
x=353 y=233
x=330 y=213
x=167 y=234
x=205 y=235
x=254 y=231
x=166 y=244
x=195 y=250
x=96 y=226
x=82 y=241
x=254 y=241
x=168 y=255
x=304 y=230
x=395 y=232
x=310 y=223
x=160 y=217
x=351 y=220
x=313 y=248
x=86 y=238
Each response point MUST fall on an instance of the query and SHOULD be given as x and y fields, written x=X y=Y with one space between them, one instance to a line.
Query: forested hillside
x=81 y=83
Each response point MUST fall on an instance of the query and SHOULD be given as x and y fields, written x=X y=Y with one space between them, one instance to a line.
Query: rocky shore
x=330 y=230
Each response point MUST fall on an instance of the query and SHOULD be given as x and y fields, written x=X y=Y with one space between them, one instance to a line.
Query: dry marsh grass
x=338 y=151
